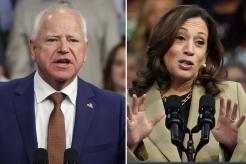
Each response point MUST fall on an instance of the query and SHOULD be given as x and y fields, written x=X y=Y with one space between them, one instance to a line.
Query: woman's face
x=188 y=52
x=118 y=69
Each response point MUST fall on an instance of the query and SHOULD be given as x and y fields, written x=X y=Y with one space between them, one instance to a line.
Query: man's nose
x=189 y=48
x=64 y=47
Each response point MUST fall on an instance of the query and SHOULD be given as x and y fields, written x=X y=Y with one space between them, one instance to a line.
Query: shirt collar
x=43 y=90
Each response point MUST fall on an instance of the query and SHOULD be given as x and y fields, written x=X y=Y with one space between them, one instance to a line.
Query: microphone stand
x=190 y=151
x=205 y=123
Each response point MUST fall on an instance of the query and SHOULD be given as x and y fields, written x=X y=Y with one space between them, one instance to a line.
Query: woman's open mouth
x=185 y=64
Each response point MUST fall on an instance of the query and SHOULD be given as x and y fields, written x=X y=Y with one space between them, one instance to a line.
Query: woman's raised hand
x=138 y=126
x=227 y=126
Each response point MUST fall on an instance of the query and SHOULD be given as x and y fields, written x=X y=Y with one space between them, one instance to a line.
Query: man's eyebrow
x=52 y=35
x=57 y=35
x=74 y=35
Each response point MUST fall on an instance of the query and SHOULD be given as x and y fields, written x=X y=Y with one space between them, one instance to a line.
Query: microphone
x=71 y=156
x=40 y=156
x=206 y=120
x=174 y=121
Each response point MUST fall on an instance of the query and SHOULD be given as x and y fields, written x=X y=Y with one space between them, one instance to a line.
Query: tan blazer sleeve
x=147 y=152
x=239 y=153
x=140 y=154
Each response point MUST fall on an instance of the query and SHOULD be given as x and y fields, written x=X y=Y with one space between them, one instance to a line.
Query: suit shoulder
x=104 y=92
x=10 y=86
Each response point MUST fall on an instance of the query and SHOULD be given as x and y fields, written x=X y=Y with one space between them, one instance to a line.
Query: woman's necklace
x=164 y=98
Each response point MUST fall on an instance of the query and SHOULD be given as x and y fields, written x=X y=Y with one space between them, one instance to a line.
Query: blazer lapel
x=197 y=92
x=160 y=135
x=85 y=107
x=24 y=108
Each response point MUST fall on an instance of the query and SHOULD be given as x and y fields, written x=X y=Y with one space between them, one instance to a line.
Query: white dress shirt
x=44 y=107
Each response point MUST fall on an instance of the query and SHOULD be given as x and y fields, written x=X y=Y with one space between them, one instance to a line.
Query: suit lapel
x=160 y=135
x=85 y=107
x=24 y=108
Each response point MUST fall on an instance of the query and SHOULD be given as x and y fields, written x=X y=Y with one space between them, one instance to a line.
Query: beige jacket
x=158 y=145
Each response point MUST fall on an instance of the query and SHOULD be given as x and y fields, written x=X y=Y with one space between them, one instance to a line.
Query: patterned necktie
x=56 y=131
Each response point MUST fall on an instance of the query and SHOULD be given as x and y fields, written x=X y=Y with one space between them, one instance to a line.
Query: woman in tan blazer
x=184 y=56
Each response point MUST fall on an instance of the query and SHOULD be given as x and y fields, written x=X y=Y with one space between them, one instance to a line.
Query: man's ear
x=85 y=51
x=32 y=48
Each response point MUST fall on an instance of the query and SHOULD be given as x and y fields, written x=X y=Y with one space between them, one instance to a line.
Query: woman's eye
x=200 y=43
x=180 y=37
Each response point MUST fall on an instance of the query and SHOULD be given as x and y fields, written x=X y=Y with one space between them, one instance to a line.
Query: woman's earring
x=204 y=65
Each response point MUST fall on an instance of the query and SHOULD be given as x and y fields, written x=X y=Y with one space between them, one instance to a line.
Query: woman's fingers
x=240 y=121
x=222 y=106
x=228 y=108
x=141 y=103
x=129 y=112
x=135 y=102
x=136 y=106
x=234 y=112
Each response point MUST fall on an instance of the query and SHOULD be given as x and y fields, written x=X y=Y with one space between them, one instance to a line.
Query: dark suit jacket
x=99 y=133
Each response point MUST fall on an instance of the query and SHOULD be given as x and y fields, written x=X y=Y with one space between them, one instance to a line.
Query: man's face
x=60 y=48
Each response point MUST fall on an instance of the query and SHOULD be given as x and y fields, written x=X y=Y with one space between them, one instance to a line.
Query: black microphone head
x=71 y=156
x=206 y=111
x=172 y=109
x=207 y=102
x=40 y=155
x=173 y=102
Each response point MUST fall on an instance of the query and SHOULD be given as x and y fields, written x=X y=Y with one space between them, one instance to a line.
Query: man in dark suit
x=92 y=120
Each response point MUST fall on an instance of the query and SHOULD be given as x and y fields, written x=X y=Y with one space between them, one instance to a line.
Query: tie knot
x=57 y=98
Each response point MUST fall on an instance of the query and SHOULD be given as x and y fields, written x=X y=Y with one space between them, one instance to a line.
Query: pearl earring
x=204 y=65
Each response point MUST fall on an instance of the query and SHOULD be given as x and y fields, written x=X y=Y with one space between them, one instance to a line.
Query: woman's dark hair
x=107 y=72
x=161 y=40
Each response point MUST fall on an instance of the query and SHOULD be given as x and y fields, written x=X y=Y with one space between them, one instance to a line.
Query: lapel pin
x=90 y=105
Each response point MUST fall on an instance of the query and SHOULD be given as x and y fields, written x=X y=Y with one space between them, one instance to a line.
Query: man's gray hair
x=60 y=6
